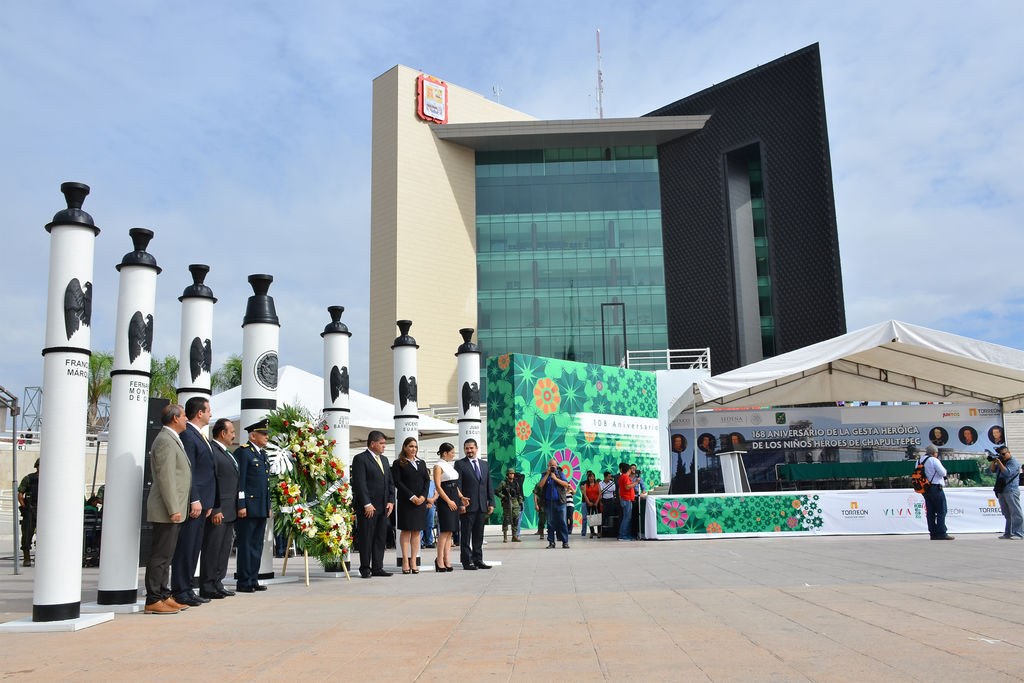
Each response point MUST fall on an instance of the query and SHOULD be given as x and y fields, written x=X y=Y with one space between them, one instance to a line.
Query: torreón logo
x=855 y=510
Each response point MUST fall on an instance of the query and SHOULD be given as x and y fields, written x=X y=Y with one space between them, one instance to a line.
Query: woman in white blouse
x=449 y=497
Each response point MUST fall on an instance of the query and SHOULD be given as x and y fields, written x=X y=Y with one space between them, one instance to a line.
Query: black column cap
x=467 y=346
x=260 y=306
x=74 y=195
x=336 y=326
x=404 y=339
x=139 y=257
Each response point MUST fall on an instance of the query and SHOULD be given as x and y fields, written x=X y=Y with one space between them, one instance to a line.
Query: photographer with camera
x=555 y=491
x=1007 y=490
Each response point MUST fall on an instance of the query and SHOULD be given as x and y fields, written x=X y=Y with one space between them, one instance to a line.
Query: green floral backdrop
x=532 y=416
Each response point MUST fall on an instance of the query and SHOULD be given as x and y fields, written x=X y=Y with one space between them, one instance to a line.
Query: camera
x=552 y=469
x=990 y=456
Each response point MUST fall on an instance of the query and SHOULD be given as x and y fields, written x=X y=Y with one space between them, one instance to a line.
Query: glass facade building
x=559 y=233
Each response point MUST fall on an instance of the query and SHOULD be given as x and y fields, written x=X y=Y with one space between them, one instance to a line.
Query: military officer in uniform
x=28 y=502
x=253 y=505
x=510 y=493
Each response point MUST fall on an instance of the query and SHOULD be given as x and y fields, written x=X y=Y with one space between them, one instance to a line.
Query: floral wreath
x=310 y=494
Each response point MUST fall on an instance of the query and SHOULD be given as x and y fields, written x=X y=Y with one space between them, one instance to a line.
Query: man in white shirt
x=935 y=497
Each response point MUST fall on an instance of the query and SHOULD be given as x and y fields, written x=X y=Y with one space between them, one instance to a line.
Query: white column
x=260 y=333
x=196 y=354
x=129 y=416
x=468 y=390
x=407 y=416
x=57 y=591
x=336 y=380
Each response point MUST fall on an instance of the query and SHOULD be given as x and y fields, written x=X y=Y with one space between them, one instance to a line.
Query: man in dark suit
x=202 y=500
x=253 y=505
x=218 y=534
x=373 y=489
x=166 y=508
x=475 y=484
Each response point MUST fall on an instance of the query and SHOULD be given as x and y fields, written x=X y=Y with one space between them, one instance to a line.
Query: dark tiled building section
x=780 y=107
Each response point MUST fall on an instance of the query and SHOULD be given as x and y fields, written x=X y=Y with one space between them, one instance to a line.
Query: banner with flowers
x=868 y=511
x=310 y=493
x=585 y=416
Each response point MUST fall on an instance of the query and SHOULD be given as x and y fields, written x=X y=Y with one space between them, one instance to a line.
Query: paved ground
x=834 y=608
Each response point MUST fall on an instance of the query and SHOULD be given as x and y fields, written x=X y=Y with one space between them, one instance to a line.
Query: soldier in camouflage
x=511 y=496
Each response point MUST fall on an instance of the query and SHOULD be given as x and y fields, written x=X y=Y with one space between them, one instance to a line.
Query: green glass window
x=559 y=232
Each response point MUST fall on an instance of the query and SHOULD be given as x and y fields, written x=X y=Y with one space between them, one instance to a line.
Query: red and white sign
x=431 y=99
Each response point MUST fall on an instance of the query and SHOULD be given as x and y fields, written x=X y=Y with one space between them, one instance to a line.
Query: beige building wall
x=423 y=232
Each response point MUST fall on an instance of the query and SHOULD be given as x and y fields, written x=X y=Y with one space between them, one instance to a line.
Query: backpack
x=918 y=479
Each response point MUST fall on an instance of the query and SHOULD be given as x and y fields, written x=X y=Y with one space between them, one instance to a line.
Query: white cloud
x=239 y=132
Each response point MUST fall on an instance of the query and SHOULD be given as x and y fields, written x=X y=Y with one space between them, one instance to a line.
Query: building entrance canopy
x=889 y=361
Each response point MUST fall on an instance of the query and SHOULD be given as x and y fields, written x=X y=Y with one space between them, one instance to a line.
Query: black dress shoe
x=380 y=572
x=469 y=567
x=200 y=598
x=191 y=600
x=365 y=573
x=481 y=565
x=211 y=596
x=260 y=587
x=245 y=589
x=226 y=592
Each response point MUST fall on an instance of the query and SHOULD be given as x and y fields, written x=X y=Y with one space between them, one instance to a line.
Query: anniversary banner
x=863 y=434
x=808 y=513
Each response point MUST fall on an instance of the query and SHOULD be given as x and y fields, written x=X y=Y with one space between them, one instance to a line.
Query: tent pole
x=696 y=486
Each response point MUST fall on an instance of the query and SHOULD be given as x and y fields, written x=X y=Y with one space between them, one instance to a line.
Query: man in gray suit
x=167 y=506
x=218 y=536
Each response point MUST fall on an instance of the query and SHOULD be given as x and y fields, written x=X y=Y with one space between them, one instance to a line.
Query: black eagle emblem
x=339 y=382
x=77 y=306
x=470 y=396
x=140 y=335
x=200 y=357
x=406 y=390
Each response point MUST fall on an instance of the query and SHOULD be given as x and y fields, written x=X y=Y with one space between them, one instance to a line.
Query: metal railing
x=668 y=359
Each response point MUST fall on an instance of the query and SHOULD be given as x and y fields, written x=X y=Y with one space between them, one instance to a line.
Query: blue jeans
x=1009 y=504
x=627 y=520
x=427 y=535
x=935 y=504
x=583 y=527
x=555 y=513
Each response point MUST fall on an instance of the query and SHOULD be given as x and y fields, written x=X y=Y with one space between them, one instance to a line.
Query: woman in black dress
x=449 y=498
x=413 y=483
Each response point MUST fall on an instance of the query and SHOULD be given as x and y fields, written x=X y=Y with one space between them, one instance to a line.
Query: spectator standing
x=427 y=535
x=591 y=495
x=935 y=497
x=641 y=497
x=627 y=495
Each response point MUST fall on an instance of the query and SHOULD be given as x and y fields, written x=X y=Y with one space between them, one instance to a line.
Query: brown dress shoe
x=161 y=608
x=171 y=602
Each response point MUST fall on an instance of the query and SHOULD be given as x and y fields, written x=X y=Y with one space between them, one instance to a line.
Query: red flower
x=286 y=423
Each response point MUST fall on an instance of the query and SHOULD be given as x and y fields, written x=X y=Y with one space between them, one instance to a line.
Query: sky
x=239 y=132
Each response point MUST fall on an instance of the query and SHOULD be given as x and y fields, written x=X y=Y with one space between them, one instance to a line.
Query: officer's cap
x=261 y=426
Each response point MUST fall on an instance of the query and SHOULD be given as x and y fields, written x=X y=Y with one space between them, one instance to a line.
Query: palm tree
x=100 y=365
x=163 y=378
x=229 y=375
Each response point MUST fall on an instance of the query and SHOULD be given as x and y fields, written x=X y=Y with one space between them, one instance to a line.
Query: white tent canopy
x=301 y=388
x=890 y=361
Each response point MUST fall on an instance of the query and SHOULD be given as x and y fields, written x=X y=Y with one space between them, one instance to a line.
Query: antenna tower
x=600 y=79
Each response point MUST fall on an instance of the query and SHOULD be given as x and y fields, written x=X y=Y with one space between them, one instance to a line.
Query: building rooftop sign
x=431 y=99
